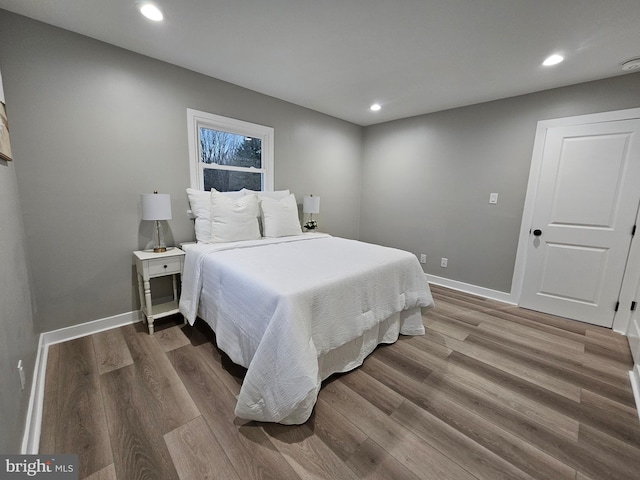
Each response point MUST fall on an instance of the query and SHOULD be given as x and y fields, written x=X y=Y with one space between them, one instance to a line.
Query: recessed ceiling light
x=553 y=60
x=375 y=107
x=152 y=12
x=631 y=65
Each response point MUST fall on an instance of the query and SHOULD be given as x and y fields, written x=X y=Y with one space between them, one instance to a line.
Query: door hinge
x=633 y=231
x=633 y=306
x=617 y=306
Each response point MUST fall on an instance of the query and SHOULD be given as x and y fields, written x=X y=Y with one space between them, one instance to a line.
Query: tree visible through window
x=224 y=149
x=229 y=154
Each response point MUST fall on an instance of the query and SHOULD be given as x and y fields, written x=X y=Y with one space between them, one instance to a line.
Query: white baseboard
x=31 y=438
x=634 y=375
x=472 y=289
x=89 y=328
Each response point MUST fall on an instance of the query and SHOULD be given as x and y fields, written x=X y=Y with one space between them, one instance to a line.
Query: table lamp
x=156 y=206
x=311 y=205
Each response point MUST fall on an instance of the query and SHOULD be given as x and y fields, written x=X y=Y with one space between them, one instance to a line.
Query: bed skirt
x=352 y=354
x=345 y=358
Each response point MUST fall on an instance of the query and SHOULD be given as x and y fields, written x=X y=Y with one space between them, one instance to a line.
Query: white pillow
x=234 y=195
x=280 y=217
x=200 y=202
x=277 y=195
x=233 y=220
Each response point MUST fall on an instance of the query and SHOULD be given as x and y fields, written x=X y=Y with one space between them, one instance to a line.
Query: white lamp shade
x=311 y=204
x=156 y=206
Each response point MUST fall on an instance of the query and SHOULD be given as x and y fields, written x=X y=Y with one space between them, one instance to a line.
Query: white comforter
x=279 y=307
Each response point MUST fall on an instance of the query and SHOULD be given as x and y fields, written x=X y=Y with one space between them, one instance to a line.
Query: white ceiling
x=340 y=56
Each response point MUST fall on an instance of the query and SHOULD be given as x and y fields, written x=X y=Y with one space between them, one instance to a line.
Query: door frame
x=630 y=285
x=632 y=272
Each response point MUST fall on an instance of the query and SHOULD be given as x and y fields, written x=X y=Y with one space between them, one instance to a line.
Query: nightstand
x=152 y=265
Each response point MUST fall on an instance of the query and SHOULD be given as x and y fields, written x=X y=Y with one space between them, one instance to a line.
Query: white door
x=585 y=208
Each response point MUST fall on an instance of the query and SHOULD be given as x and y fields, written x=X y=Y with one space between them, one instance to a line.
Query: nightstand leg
x=175 y=286
x=147 y=299
x=175 y=293
x=141 y=296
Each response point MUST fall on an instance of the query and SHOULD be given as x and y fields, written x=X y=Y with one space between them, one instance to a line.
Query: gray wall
x=426 y=180
x=93 y=126
x=18 y=340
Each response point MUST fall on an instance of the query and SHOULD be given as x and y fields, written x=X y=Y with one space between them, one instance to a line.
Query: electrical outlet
x=444 y=262
x=21 y=373
x=423 y=258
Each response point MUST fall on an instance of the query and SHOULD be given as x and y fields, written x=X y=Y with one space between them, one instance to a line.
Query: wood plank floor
x=491 y=392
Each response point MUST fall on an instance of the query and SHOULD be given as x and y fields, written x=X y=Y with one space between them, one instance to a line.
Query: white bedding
x=294 y=310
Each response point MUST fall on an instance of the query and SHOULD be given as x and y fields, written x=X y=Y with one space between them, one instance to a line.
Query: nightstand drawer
x=164 y=266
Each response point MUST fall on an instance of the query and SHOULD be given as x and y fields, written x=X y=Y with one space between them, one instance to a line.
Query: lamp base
x=311 y=225
x=159 y=249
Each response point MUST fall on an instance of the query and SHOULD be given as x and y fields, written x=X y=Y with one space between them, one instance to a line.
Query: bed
x=294 y=309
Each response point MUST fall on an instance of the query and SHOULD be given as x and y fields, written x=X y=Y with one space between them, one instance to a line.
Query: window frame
x=197 y=119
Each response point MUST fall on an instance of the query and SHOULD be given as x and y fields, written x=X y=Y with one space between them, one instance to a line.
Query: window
x=228 y=154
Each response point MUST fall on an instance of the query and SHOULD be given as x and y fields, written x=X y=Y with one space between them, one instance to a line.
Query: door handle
x=537 y=232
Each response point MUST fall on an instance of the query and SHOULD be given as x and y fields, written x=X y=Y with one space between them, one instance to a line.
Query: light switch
x=493 y=198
